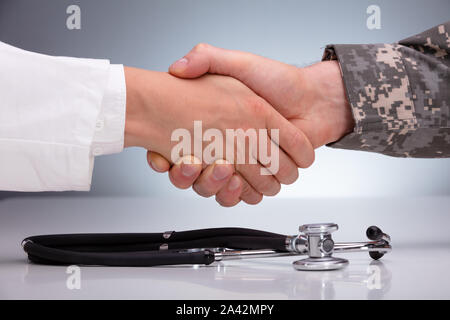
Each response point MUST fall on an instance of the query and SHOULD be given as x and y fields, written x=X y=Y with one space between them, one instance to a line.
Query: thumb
x=204 y=58
x=157 y=162
x=260 y=74
x=193 y=65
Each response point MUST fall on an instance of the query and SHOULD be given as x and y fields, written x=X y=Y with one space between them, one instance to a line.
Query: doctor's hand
x=159 y=103
x=311 y=98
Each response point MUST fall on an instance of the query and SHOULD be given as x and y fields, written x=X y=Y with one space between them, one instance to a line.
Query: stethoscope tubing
x=146 y=249
x=51 y=256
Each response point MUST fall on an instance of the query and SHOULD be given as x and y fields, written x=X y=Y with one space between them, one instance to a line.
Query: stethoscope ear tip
x=375 y=255
x=374 y=233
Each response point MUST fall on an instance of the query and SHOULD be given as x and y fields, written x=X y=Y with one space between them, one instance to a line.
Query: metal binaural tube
x=295 y=245
x=250 y=254
x=375 y=246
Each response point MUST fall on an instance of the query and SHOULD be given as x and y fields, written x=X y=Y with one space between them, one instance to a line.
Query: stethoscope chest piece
x=320 y=247
x=320 y=264
x=315 y=241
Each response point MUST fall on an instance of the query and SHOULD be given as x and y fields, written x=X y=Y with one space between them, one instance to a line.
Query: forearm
x=399 y=95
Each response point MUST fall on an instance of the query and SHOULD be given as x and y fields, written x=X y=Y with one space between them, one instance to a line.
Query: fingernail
x=221 y=172
x=180 y=63
x=234 y=183
x=155 y=167
x=188 y=170
x=152 y=164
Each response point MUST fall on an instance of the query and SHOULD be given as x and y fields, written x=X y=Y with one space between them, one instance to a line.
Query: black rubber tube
x=45 y=255
x=118 y=239
x=143 y=249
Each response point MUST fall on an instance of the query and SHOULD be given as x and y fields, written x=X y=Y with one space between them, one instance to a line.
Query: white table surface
x=416 y=268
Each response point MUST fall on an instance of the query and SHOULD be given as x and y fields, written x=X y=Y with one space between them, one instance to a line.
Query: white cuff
x=110 y=125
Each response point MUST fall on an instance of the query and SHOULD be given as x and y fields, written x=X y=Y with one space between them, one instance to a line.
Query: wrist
x=340 y=109
x=328 y=101
x=136 y=128
x=152 y=110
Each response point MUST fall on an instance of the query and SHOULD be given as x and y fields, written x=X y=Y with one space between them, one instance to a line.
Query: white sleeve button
x=99 y=125
x=98 y=151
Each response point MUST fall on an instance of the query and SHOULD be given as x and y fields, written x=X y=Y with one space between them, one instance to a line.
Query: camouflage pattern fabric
x=399 y=94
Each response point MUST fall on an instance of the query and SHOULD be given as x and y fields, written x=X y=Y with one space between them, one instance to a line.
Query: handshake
x=272 y=116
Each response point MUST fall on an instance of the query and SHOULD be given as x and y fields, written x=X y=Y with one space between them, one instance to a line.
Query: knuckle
x=253 y=198
x=177 y=182
x=268 y=186
x=201 y=190
x=250 y=196
x=201 y=47
x=257 y=106
x=226 y=202
x=246 y=190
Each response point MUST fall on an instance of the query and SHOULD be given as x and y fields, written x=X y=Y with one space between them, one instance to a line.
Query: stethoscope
x=202 y=247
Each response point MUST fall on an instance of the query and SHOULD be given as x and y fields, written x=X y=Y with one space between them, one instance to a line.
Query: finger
x=290 y=138
x=264 y=184
x=229 y=195
x=184 y=173
x=248 y=194
x=157 y=162
x=213 y=178
x=246 y=163
x=280 y=165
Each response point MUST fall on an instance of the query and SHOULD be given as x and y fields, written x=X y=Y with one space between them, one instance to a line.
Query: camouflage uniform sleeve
x=399 y=94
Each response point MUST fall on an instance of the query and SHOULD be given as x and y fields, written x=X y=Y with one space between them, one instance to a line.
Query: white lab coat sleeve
x=110 y=125
x=56 y=114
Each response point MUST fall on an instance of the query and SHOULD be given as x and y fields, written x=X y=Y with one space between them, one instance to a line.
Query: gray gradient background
x=152 y=34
